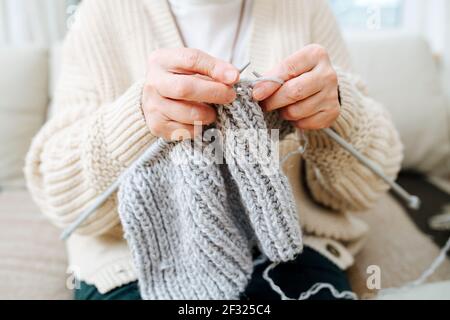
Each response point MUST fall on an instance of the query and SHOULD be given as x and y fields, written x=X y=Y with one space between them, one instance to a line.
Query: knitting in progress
x=191 y=223
x=180 y=186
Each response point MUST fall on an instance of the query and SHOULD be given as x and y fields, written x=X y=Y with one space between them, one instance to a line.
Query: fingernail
x=231 y=76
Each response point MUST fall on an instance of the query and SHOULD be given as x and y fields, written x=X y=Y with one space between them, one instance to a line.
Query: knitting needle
x=150 y=153
x=153 y=150
x=413 y=202
x=442 y=221
x=245 y=68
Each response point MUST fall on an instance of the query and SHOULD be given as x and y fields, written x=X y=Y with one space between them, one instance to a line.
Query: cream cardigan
x=98 y=130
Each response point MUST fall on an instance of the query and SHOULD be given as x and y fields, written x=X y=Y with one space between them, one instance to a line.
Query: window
x=369 y=14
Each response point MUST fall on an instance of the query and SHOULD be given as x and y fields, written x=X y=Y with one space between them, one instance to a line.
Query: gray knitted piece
x=191 y=224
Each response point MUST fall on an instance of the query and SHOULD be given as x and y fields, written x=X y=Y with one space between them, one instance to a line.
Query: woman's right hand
x=180 y=84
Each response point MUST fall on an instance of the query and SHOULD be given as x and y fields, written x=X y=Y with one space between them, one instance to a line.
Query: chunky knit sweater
x=98 y=129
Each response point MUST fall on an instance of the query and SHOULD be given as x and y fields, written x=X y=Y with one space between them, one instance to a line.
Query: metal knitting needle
x=241 y=71
x=442 y=221
x=413 y=202
x=149 y=154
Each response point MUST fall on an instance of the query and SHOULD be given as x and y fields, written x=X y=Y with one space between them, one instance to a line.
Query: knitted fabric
x=191 y=223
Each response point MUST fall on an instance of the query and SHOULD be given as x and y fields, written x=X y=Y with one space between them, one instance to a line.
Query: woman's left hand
x=309 y=98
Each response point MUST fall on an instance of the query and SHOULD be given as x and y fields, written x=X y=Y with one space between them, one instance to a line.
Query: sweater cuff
x=336 y=178
x=118 y=135
x=351 y=122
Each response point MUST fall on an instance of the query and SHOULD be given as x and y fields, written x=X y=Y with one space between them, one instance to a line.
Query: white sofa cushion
x=23 y=107
x=33 y=263
x=401 y=73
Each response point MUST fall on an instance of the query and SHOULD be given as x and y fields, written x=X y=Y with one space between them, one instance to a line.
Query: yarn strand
x=425 y=275
x=434 y=266
x=315 y=289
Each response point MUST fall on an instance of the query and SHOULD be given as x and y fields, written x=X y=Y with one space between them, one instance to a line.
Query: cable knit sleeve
x=335 y=178
x=85 y=146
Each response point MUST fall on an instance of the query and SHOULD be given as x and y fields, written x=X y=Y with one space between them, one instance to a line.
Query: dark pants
x=293 y=278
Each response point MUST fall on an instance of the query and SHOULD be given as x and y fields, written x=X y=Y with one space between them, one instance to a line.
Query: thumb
x=265 y=89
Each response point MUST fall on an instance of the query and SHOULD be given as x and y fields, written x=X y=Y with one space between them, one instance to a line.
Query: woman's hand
x=310 y=97
x=180 y=84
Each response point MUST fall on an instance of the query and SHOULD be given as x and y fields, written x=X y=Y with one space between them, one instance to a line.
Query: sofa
x=33 y=262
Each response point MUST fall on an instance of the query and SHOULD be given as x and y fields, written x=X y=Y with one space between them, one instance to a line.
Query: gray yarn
x=191 y=225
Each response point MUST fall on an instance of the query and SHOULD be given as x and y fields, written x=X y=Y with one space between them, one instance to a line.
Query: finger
x=169 y=130
x=295 y=65
x=188 y=112
x=303 y=109
x=323 y=119
x=192 y=88
x=195 y=61
x=297 y=89
x=179 y=111
x=180 y=132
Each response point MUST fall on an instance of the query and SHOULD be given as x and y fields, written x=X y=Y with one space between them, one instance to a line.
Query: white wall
x=2 y=23
x=431 y=19
x=427 y=17
x=37 y=22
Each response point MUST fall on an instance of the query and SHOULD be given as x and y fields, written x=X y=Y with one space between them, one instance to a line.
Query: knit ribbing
x=243 y=124
x=179 y=222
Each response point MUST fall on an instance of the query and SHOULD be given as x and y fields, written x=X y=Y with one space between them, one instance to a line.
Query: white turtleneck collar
x=210 y=25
